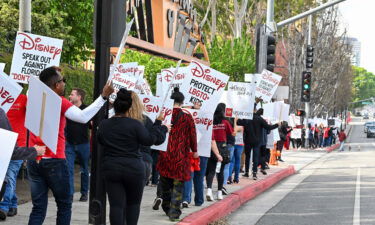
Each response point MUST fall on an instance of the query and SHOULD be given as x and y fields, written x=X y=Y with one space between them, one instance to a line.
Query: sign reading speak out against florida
x=267 y=85
x=9 y=91
x=32 y=54
x=203 y=84
x=240 y=100
x=153 y=108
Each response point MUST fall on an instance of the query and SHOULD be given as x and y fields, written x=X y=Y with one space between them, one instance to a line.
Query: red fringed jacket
x=175 y=162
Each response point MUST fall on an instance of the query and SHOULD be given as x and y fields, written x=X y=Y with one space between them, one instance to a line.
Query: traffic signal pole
x=307 y=104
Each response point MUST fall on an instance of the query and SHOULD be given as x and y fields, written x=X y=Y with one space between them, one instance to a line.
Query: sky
x=358 y=19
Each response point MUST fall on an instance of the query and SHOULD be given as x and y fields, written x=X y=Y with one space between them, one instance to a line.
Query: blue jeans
x=198 y=179
x=49 y=174
x=10 y=197
x=235 y=163
x=83 y=153
x=227 y=166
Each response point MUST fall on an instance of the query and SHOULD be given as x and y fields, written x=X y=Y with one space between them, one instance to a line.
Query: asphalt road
x=337 y=189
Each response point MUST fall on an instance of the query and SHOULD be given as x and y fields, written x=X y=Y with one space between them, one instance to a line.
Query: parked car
x=371 y=131
x=366 y=117
x=367 y=124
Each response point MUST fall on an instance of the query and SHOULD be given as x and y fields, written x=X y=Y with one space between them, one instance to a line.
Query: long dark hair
x=219 y=114
x=177 y=96
x=123 y=101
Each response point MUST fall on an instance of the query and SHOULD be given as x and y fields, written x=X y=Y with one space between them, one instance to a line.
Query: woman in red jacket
x=174 y=164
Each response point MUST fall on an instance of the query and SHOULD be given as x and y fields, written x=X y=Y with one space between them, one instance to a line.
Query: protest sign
x=43 y=111
x=9 y=91
x=224 y=98
x=281 y=111
x=267 y=85
x=203 y=84
x=123 y=77
x=331 y=122
x=272 y=138
x=239 y=138
x=268 y=110
x=241 y=100
x=8 y=142
x=159 y=85
x=296 y=133
x=203 y=125
x=32 y=54
x=153 y=108
x=294 y=120
x=2 y=67
x=167 y=79
x=142 y=87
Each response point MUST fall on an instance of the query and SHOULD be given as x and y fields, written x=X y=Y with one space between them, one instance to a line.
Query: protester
x=174 y=164
x=237 y=153
x=77 y=144
x=221 y=129
x=252 y=135
x=316 y=135
x=342 y=138
x=231 y=140
x=263 y=146
x=51 y=170
x=122 y=165
x=19 y=153
x=16 y=116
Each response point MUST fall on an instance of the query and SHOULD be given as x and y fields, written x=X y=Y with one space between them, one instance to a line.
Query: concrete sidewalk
x=149 y=216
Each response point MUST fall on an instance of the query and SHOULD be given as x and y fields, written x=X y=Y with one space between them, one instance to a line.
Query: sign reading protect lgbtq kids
x=32 y=54
x=8 y=142
x=9 y=91
x=267 y=85
x=153 y=109
x=43 y=111
x=240 y=100
x=203 y=84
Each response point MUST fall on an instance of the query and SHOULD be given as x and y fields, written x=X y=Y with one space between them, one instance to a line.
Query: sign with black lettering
x=32 y=54
x=240 y=100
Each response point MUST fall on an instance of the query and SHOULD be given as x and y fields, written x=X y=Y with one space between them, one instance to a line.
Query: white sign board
x=2 y=67
x=281 y=111
x=241 y=100
x=123 y=77
x=203 y=84
x=159 y=85
x=203 y=125
x=153 y=108
x=32 y=54
x=267 y=85
x=142 y=87
x=282 y=92
x=9 y=91
x=167 y=78
x=296 y=133
x=43 y=111
x=8 y=141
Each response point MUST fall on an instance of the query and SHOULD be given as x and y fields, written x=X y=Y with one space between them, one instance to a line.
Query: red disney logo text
x=4 y=94
x=198 y=71
x=29 y=44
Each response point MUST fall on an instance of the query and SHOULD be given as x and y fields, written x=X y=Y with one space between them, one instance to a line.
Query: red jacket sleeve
x=228 y=128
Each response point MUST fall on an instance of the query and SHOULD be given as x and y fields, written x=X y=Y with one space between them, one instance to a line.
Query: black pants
x=263 y=157
x=211 y=171
x=125 y=189
x=148 y=169
x=172 y=191
x=155 y=173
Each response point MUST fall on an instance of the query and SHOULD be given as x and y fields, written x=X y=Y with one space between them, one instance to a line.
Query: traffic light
x=271 y=49
x=306 y=86
x=309 y=57
x=300 y=113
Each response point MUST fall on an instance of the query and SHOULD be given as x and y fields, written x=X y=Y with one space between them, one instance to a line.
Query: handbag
x=224 y=152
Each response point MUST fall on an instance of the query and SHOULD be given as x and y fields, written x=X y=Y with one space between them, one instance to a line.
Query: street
x=338 y=188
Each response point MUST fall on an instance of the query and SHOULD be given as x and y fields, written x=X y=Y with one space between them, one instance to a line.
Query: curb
x=233 y=201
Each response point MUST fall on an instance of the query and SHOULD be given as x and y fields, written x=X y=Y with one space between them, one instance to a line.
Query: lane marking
x=357 y=200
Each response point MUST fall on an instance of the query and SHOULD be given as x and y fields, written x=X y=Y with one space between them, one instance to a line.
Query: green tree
x=363 y=84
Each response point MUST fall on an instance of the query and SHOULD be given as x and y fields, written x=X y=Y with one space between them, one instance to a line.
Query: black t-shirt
x=77 y=133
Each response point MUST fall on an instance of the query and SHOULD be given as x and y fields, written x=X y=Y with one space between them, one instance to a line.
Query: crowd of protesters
x=129 y=163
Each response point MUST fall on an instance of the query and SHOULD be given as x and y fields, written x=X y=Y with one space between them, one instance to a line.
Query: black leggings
x=125 y=190
x=211 y=171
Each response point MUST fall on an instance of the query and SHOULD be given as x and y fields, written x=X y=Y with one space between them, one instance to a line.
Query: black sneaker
x=281 y=160
x=157 y=203
x=83 y=198
x=185 y=204
x=255 y=176
x=263 y=172
x=224 y=191
x=245 y=175
x=3 y=215
x=12 y=212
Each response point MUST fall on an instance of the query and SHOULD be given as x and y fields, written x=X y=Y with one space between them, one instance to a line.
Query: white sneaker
x=219 y=195
x=209 y=196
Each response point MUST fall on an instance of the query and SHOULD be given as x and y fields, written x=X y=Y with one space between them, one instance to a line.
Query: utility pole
x=307 y=104
x=25 y=16
x=97 y=203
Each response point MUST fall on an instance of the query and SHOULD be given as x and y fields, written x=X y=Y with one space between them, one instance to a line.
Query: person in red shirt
x=51 y=170
x=342 y=138
x=221 y=129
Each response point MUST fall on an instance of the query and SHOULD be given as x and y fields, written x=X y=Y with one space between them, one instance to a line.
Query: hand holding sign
x=40 y=150
x=107 y=89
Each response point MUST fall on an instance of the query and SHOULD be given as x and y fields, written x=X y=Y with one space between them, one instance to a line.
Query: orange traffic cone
x=273 y=157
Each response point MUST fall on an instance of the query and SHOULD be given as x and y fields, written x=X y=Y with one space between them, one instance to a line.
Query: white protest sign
x=203 y=125
x=294 y=120
x=142 y=87
x=9 y=91
x=159 y=85
x=203 y=84
x=8 y=141
x=239 y=138
x=296 y=133
x=32 y=54
x=140 y=72
x=123 y=77
x=167 y=76
x=153 y=108
x=2 y=67
x=43 y=113
x=241 y=100
x=268 y=110
x=281 y=111
x=224 y=98
x=267 y=85
x=272 y=138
